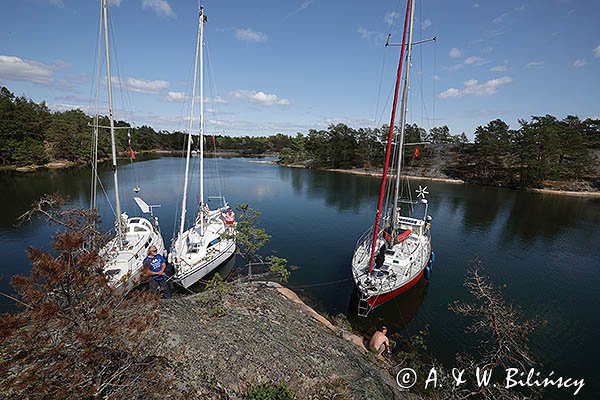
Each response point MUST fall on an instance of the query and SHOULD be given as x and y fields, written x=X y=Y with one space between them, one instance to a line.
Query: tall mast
x=190 y=125
x=112 y=125
x=403 y=122
x=389 y=142
x=202 y=20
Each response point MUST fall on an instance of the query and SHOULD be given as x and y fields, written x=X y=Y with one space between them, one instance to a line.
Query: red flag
x=417 y=152
x=131 y=153
x=213 y=139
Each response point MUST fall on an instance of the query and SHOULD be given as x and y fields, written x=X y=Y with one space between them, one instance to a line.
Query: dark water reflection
x=544 y=248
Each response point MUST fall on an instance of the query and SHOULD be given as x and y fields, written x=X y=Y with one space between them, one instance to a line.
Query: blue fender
x=427 y=272
x=431 y=260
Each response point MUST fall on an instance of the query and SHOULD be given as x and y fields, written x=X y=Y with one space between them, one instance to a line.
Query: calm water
x=544 y=248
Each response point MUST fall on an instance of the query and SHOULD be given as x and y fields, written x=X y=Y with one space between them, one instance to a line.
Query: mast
x=112 y=126
x=403 y=122
x=189 y=144
x=389 y=143
x=202 y=20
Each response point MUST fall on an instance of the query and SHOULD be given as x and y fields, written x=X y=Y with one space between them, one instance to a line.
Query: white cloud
x=500 y=18
x=390 y=17
x=366 y=34
x=499 y=68
x=596 y=52
x=456 y=67
x=58 y=3
x=116 y=3
x=455 y=53
x=259 y=97
x=176 y=97
x=473 y=60
x=580 y=62
x=426 y=24
x=216 y=100
x=452 y=92
x=476 y=5
x=521 y=8
x=162 y=8
x=436 y=77
x=474 y=88
x=67 y=107
x=250 y=36
x=535 y=65
x=17 y=69
x=302 y=7
x=180 y=97
x=143 y=86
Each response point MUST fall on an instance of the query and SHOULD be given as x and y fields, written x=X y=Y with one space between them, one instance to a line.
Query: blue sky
x=289 y=66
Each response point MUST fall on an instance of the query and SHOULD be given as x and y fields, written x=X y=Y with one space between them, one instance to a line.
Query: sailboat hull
x=385 y=297
x=396 y=268
x=123 y=266
x=193 y=276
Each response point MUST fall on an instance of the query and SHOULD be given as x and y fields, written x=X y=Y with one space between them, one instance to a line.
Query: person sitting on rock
x=156 y=265
x=380 y=342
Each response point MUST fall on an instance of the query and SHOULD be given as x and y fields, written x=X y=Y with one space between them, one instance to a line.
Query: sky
x=289 y=66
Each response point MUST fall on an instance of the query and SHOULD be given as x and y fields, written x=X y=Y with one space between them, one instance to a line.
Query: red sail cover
x=402 y=237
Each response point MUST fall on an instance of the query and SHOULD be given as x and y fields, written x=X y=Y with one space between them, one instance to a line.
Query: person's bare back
x=379 y=341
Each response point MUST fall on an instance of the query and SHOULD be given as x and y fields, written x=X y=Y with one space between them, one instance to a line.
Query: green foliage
x=213 y=296
x=341 y=321
x=270 y=392
x=544 y=148
x=249 y=238
x=277 y=265
x=218 y=285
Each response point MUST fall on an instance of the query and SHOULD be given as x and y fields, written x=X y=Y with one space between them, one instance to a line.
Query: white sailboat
x=209 y=242
x=391 y=257
x=123 y=254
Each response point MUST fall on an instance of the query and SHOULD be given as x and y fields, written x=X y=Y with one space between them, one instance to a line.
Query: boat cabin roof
x=139 y=225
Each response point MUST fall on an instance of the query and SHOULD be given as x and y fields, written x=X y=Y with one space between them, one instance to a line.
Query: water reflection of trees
x=22 y=189
x=534 y=216
x=345 y=192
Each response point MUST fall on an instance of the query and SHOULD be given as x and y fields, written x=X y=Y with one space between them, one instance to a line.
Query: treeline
x=32 y=134
x=340 y=146
x=544 y=148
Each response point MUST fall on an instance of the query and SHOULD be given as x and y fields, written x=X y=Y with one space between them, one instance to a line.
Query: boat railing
x=365 y=237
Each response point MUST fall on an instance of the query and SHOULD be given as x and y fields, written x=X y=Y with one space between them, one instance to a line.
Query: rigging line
x=107 y=197
x=319 y=284
x=122 y=87
x=421 y=57
x=434 y=78
x=219 y=183
x=95 y=101
x=391 y=25
x=375 y=119
x=184 y=111
x=122 y=82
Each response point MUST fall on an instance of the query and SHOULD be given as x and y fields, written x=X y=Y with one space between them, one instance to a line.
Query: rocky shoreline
x=241 y=334
x=63 y=164
x=551 y=187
